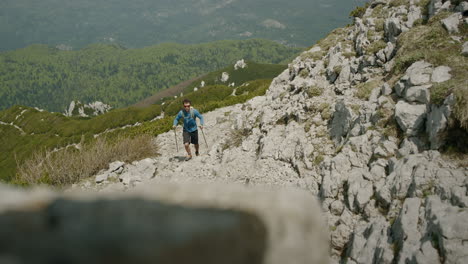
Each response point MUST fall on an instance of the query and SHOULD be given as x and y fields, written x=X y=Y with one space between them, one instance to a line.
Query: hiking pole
x=203 y=133
x=175 y=135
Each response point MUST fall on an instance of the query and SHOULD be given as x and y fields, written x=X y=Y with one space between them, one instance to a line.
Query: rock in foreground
x=163 y=223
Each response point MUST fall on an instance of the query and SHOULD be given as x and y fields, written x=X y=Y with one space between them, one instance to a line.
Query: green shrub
x=439 y=91
x=318 y=159
x=396 y=3
x=379 y=25
x=363 y=90
x=337 y=69
x=359 y=11
x=375 y=46
x=304 y=73
x=402 y=62
x=356 y=108
x=312 y=55
x=314 y=90
x=325 y=111
x=349 y=54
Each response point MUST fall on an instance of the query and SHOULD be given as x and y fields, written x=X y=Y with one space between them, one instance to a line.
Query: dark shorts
x=191 y=137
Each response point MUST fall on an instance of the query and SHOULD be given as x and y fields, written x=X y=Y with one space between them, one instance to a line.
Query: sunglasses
x=186 y=106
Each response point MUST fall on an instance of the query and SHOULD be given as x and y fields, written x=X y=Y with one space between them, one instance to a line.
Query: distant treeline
x=48 y=78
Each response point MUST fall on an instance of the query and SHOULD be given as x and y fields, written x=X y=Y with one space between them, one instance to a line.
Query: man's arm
x=177 y=118
x=197 y=114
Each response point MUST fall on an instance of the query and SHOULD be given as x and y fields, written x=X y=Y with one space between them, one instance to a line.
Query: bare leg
x=196 y=148
x=187 y=148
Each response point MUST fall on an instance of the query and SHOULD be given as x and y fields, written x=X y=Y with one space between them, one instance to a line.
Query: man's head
x=187 y=104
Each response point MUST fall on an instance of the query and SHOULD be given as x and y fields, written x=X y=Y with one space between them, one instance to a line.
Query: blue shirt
x=190 y=124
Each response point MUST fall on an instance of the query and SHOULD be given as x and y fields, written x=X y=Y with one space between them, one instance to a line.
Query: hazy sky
x=138 y=23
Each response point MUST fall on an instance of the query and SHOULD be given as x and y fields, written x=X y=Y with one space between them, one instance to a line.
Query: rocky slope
x=343 y=124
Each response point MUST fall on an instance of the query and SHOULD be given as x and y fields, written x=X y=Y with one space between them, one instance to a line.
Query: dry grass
x=71 y=165
x=314 y=90
x=363 y=90
x=236 y=137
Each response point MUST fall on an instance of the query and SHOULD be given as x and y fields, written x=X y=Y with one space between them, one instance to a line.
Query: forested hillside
x=48 y=78
x=136 y=24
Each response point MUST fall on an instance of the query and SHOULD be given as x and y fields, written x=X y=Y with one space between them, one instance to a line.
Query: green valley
x=49 y=78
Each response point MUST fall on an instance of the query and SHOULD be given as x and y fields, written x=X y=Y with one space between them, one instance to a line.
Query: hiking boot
x=196 y=153
x=188 y=158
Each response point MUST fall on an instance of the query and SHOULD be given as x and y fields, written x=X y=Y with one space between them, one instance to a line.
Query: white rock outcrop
x=240 y=64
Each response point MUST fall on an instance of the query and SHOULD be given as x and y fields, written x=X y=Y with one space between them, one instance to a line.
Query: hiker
x=190 y=134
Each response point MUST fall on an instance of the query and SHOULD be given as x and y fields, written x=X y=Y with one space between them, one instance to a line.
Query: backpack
x=192 y=113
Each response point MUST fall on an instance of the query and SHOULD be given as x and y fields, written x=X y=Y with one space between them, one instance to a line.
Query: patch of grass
x=363 y=90
x=440 y=91
x=325 y=111
x=391 y=130
x=359 y=11
x=236 y=137
x=349 y=55
x=375 y=46
x=379 y=24
x=396 y=3
x=314 y=90
x=356 y=108
x=304 y=73
x=70 y=165
x=318 y=159
x=405 y=60
x=337 y=35
x=312 y=55
x=379 y=12
x=461 y=106
x=337 y=69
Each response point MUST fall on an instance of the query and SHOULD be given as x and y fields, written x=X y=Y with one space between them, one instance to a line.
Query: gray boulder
x=359 y=191
x=435 y=6
x=441 y=74
x=410 y=117
x=462 y=7
x=452 y=22
x=392 y=28
x=138 y=171
x=436 y=124
x=370 y=243
x=418 y=94
x=409 y=146
x=389 y=51
x=418 y=73
x=464 y=51
x=152 y=232
x=386 y=89
x=163 y=223
x=405 y=230
x=341 y=123
x=414 y=14
x=449 y=229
